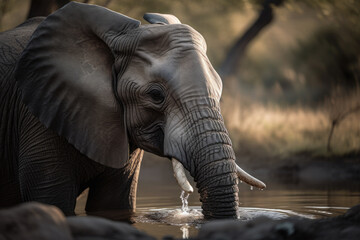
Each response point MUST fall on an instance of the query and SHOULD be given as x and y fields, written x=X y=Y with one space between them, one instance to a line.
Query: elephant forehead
x=159 y=39
x=177 y=54
x=191 y=75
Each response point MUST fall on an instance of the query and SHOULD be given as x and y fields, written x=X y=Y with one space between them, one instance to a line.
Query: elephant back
x=12 y=43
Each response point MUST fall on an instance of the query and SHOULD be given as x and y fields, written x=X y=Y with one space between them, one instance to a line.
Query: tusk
x=244 y=176
x=179 y=174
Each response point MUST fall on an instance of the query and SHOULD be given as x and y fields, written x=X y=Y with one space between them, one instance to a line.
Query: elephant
x=85 y=91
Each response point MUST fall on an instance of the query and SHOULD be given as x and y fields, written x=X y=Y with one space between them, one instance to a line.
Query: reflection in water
x=159 y=209
x=194 y=218
x=277 y=201
x=173 y=221
x=185 y=231
x=172 y=216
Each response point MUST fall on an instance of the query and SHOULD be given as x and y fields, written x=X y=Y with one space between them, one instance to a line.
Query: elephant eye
x=156 y=95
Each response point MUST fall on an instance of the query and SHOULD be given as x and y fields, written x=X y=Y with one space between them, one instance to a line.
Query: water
x=160 y=212
x=185 y=204
x=184 y=217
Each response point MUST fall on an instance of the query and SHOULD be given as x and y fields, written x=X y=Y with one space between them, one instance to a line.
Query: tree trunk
x=335 y=122
x=333 y=125
x=237 y=51
x=3 y=5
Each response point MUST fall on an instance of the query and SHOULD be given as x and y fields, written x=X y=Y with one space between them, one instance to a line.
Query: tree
x=340 y=105
x=236 y=52
x=3 y=5
x=45 y=7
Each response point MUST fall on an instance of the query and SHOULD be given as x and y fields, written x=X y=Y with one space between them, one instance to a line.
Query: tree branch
x=236 y=52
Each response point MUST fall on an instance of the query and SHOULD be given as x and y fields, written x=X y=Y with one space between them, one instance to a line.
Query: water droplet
x=184 y=199
x=251 y=188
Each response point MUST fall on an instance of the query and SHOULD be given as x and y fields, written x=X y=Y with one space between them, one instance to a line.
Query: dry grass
x=275 y=131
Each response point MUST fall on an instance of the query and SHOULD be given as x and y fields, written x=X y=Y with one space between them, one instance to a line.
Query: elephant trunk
x=217 y=182
x=214 y=168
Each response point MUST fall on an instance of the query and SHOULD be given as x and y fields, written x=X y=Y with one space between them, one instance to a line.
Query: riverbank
x=306 y=168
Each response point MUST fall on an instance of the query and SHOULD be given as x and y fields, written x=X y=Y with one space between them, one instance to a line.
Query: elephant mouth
x=180 y=176
x=152 y=138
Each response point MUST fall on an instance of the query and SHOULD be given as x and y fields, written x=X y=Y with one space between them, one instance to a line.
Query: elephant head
x=110 y=86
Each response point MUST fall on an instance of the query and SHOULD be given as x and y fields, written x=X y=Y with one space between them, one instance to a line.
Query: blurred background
x=290 y=69
x=291 y=95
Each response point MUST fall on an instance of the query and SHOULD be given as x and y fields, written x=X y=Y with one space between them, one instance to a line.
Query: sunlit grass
x=276 y=131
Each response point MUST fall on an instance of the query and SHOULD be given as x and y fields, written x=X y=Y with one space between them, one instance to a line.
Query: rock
x=42 y=222
x=346 y=226
x=97 y=228
x=34 y=221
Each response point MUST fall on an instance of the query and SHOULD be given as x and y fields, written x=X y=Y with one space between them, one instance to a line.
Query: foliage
x=341 y=105
x=211 y=18
x=274 y=105
x=316 y=62
x=328 y=59
x=269 y=131
x=285 y=100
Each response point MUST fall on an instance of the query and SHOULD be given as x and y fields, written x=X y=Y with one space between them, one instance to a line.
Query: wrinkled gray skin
x=93 y=90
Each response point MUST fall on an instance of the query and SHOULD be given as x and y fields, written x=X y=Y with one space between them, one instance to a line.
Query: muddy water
x=159 y=204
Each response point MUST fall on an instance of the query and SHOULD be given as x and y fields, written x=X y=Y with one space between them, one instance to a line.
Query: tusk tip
x=187 y=188
x=179 y=174
x=252 y=181
x=258 y=184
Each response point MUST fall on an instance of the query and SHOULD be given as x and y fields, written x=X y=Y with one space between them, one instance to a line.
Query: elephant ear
x=161 y=18
x=65 y=76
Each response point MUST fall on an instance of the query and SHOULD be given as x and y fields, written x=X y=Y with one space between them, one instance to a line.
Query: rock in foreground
x=42 y=222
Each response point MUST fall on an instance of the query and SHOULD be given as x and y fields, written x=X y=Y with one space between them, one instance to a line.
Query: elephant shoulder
x=31 y=23
x=13 y=41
